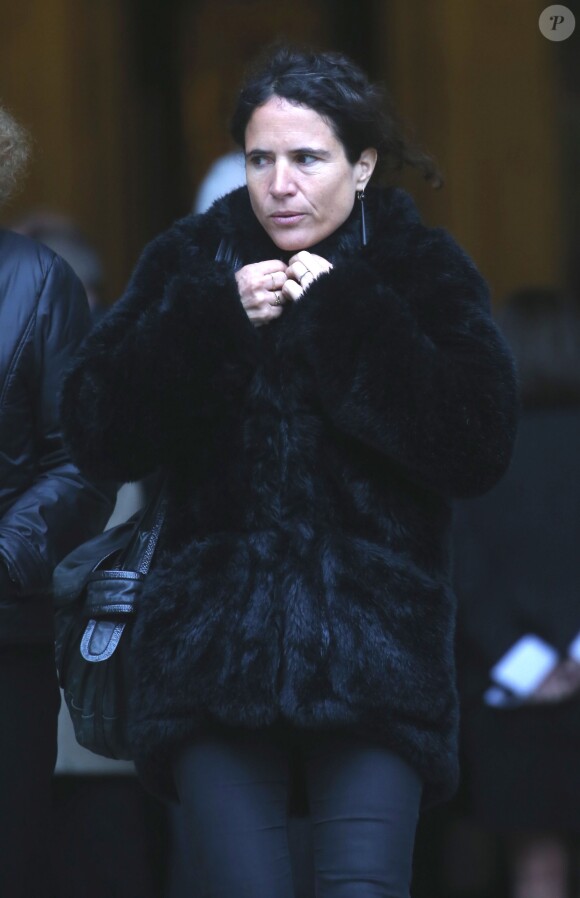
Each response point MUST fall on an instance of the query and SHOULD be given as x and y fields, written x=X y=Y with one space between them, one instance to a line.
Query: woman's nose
x=282 y=183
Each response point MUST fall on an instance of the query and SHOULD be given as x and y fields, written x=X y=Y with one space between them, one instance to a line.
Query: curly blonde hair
x=14 y=154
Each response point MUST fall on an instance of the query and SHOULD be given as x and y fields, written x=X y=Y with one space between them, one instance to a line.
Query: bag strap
x=158 y=521
x=140 y=548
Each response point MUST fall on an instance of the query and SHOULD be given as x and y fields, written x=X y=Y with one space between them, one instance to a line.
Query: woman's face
x=302 y=186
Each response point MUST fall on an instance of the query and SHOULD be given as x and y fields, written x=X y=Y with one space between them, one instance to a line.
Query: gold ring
x=306 y=271
x=273 y=281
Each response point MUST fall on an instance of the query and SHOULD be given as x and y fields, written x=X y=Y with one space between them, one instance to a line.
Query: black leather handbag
x=96 y=591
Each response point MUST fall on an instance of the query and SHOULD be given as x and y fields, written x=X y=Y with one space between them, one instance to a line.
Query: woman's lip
x=287 y=218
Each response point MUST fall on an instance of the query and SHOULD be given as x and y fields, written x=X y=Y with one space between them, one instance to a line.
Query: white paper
x=525 y=665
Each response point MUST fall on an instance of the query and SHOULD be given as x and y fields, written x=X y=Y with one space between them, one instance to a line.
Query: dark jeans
x=364 y=804
x=29 y=702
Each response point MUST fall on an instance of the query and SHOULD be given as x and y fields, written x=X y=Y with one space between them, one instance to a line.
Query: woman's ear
x=365 y=167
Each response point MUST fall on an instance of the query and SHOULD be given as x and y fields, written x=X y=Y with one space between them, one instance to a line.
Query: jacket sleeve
x=60 y=508
x=175 y=351
x=410 y=363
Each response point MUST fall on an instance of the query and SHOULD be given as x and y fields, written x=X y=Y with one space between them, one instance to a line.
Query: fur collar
x=391 y=213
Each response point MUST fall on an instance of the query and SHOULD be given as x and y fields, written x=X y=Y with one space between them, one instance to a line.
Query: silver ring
x=273 y=281
x=305 y=272
x=278 y=300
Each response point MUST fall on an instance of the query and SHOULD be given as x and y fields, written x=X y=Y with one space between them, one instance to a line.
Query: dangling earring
x=360 y=195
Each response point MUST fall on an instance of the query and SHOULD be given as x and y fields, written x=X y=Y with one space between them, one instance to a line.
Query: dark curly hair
x=360 y=113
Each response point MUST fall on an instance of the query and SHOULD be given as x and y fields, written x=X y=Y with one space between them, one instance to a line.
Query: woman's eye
x=258 y=161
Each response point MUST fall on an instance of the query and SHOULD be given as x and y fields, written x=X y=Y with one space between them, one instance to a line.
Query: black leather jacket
x=46 y=506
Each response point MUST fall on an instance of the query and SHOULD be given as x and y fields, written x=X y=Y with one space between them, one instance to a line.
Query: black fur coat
x=304 y=571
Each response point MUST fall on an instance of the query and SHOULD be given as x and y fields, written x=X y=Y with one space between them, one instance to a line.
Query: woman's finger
x=305 y=267
x=274 y=280
x=270 y=265
x=292 y=290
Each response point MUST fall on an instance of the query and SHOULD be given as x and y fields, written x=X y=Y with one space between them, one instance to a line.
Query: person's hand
x=260 y=288
x=302 y=270
x=562 y=683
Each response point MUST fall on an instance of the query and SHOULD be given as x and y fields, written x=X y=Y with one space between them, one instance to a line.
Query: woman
x=316 y=411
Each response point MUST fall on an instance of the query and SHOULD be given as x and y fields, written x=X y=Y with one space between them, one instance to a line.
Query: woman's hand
x=302 y=270
x=260 y=288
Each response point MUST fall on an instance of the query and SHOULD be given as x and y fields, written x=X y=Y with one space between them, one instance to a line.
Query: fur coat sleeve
x=407 y=360
x=175 y=351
